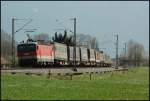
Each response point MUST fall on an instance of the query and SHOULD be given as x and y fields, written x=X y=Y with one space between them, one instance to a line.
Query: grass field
x=131 y=85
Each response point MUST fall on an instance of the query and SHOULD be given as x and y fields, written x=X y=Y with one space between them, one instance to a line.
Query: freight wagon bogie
x=44 y=63
x=60 y=63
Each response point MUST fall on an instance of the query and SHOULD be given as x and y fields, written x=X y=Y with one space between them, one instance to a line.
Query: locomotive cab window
x=26 y=47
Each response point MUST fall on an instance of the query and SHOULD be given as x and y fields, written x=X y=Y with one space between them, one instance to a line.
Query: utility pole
x=13 y=38
x=135 y=60
x=74 y=43
x=125 y=57
x=74 y=52
x=13 y=48
x=117 y=60
x=125 y=44
x=74 y=48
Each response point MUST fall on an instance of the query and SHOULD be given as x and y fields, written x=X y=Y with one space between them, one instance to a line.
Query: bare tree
x=6 y=47
x=91 y=42
x=63 y=38
x=135 y=54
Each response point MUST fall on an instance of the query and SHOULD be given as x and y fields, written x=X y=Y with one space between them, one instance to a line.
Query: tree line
x=135 y=55
x=6 y=47
x=84 y=40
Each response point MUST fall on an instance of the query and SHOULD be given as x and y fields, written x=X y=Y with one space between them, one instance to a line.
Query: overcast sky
x=101 y=19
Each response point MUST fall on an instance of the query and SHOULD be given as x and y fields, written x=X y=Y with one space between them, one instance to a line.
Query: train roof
x=36 y=43
x=28 y=43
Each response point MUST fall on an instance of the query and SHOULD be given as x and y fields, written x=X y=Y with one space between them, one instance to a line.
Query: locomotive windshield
x=26 y=47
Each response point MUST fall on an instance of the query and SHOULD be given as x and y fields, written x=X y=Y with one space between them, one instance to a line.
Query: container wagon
x=71 y=55
x=84 y=56
x=102 y=59
x=91 y=57
x=60 y=54
x=97 y=56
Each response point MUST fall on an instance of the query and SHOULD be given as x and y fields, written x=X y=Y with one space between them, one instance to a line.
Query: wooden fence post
x=90 y=76
x=13 y=72
x=71 y=76
x=111 y=73
x=49 y=74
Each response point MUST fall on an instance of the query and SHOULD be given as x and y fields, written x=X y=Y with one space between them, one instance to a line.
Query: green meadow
x=130 y=85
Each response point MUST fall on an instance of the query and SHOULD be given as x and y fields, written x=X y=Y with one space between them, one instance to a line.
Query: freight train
x=58 y=54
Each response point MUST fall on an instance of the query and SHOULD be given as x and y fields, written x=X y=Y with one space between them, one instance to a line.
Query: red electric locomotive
x=33 y=53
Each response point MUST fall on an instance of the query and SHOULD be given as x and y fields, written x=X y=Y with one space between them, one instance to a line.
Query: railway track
x=61 y=70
